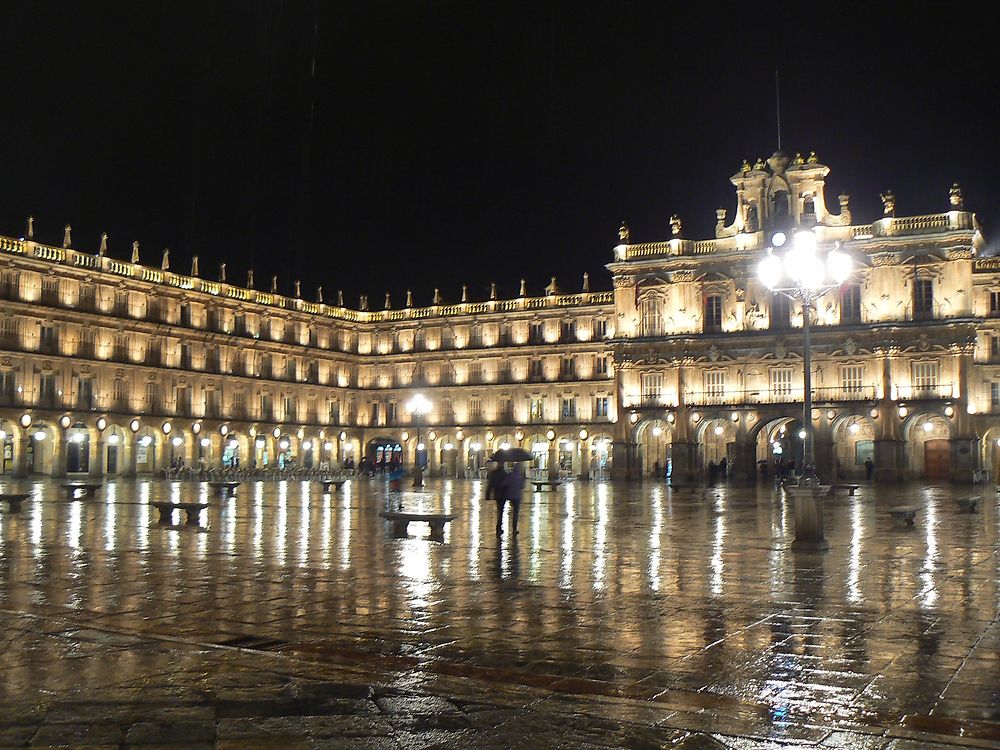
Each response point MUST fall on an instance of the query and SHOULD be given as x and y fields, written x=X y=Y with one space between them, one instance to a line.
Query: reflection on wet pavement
x=622 y=616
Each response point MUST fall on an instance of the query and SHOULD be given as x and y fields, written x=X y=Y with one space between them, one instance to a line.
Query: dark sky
x=447 y=142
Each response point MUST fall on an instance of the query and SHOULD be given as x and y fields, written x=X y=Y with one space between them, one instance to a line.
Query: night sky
x=441 y=143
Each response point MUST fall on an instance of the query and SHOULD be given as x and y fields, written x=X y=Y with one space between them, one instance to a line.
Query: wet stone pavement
x=624 y=616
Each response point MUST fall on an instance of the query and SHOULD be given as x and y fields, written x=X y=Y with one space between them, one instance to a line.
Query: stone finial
x=319 y=294
x=436 y=299
x=135 y=251
x=194 y=266
x=798 y=161
x=493 y=290
x=165 y=262
x=624 y=233
x=298 y=289
x=67 y=235
x=388 y=303
x=675 y=225
x=888 y=203
x=31 y=228
x=222 y=273
x=274 y=285
x=103 y=249
x=845 y=206
x=465 y=293
x=523 y=290
x=409 y=298
x=586 y=281
x=758 y=166
x=813 y=159
x=745 y=167
x=364 y=302
x=955 y=196
x=552 y=288
x=250 y=279
x=720 y=216
x=340 y=298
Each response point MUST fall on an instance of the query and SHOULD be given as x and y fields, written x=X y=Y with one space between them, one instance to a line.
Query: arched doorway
x=601 y=456
x=41 y=447
x=448 y=457
x=475 y=457
x=231 y=451
x=386 y=454
x=854 y=444
x=653 y=437
x=116 y=444
x=718 y=442
x=928 y=446
x=8 y=438
x=779 y=447
x=538 y=446
x=78 y=449
x=146 y=445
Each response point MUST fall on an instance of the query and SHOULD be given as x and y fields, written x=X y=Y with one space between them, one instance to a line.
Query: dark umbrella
x=512 y=454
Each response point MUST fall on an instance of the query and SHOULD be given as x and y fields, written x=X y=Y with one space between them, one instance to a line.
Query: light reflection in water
x=281 y=528
x=110 y=518
x=75 y=516
x=258 y=520
x=304 y=521
x=566 y=575
x=326 y=533
x=536 y=533
x=144 y=509
x=36 y=523
x=601 y=537
x=654 y=538
x=929 y=595
x=231 y=525
x=415 y=565
x=474 y=531
x=716 y=562
x=854 y=563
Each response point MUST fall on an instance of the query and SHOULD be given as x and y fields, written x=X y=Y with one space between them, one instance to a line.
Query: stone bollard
x=809 y=516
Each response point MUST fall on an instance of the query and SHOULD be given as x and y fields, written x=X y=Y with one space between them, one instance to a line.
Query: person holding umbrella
x=495 y=481
x=511 y=483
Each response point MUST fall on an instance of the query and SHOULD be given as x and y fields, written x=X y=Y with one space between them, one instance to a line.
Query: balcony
x=925 y=392
x=826 y=394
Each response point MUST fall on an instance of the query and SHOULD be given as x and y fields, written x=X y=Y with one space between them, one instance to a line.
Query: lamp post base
x=808 y=511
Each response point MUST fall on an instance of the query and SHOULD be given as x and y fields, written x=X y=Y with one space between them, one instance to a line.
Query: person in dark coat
x=495 y=490
x=513 y=486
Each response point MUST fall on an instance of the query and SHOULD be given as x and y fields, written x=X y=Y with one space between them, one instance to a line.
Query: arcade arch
x=927 y=446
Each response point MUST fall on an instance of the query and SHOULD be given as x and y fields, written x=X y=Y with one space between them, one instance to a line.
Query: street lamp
x=418 y=406
x=803 y=272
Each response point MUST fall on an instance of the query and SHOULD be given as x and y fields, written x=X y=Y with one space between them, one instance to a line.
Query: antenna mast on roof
x=777 y=105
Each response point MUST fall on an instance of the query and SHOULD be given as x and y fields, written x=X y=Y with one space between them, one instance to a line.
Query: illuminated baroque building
x=112 y=367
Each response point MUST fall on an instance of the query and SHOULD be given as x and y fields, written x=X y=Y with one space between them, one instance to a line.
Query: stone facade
x=115 y=367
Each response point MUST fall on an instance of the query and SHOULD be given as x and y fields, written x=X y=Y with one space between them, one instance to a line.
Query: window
x=476 y=337
x=536 y=371
x=291 y=371
x=652 y=387
x=713 y=312
x=118 y=391
x=476 y=372
x=266 y=409
x=569 y=407
x=152 y=397
x=995 y=347
x=600 y=329
x=568 y=330
x=475 y=410
x=376 y=407
x=852 y=378
x=994 y=304
x=601 y=364
x=995 y=395
x=536 y=410
x=390 y=412
x=850 y=304
x=334 y=412
x=652 y=317
x=567 y=368
x=85 y=394
x=47 y=340
x=601 y=406
x=715 y=384
x=213 y=406
x=239 y=405
x=47 y=390
x=536 y=334
x=781 y=382
x=291 y=408
x=925 y=374
x=8 y=387
x=506 y=412
x=780 y=311
x=923 y=298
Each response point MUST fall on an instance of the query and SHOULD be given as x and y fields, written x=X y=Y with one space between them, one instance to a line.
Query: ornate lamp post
x=418 y=406
x=797 y=268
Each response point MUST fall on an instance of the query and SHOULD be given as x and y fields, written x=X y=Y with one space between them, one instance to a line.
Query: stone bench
x=904 y=513
x=167 y=509
x=86 y=490
x=328 y=483
x=540 y=484
x=850 y=489
x=14 y=500
x=967 y=504
x=225 y=489
x=401 y=520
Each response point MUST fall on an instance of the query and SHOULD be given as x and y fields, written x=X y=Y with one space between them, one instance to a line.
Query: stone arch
x=777 y=442
x=116 y=455
x=716 y=438
x=927 y=445
x=990 y=452
x=148 y=447
x=78 y=441
x=853 y=443
x=11 y=439
x=43 y=445
x=653 y=437
x=601 y=455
